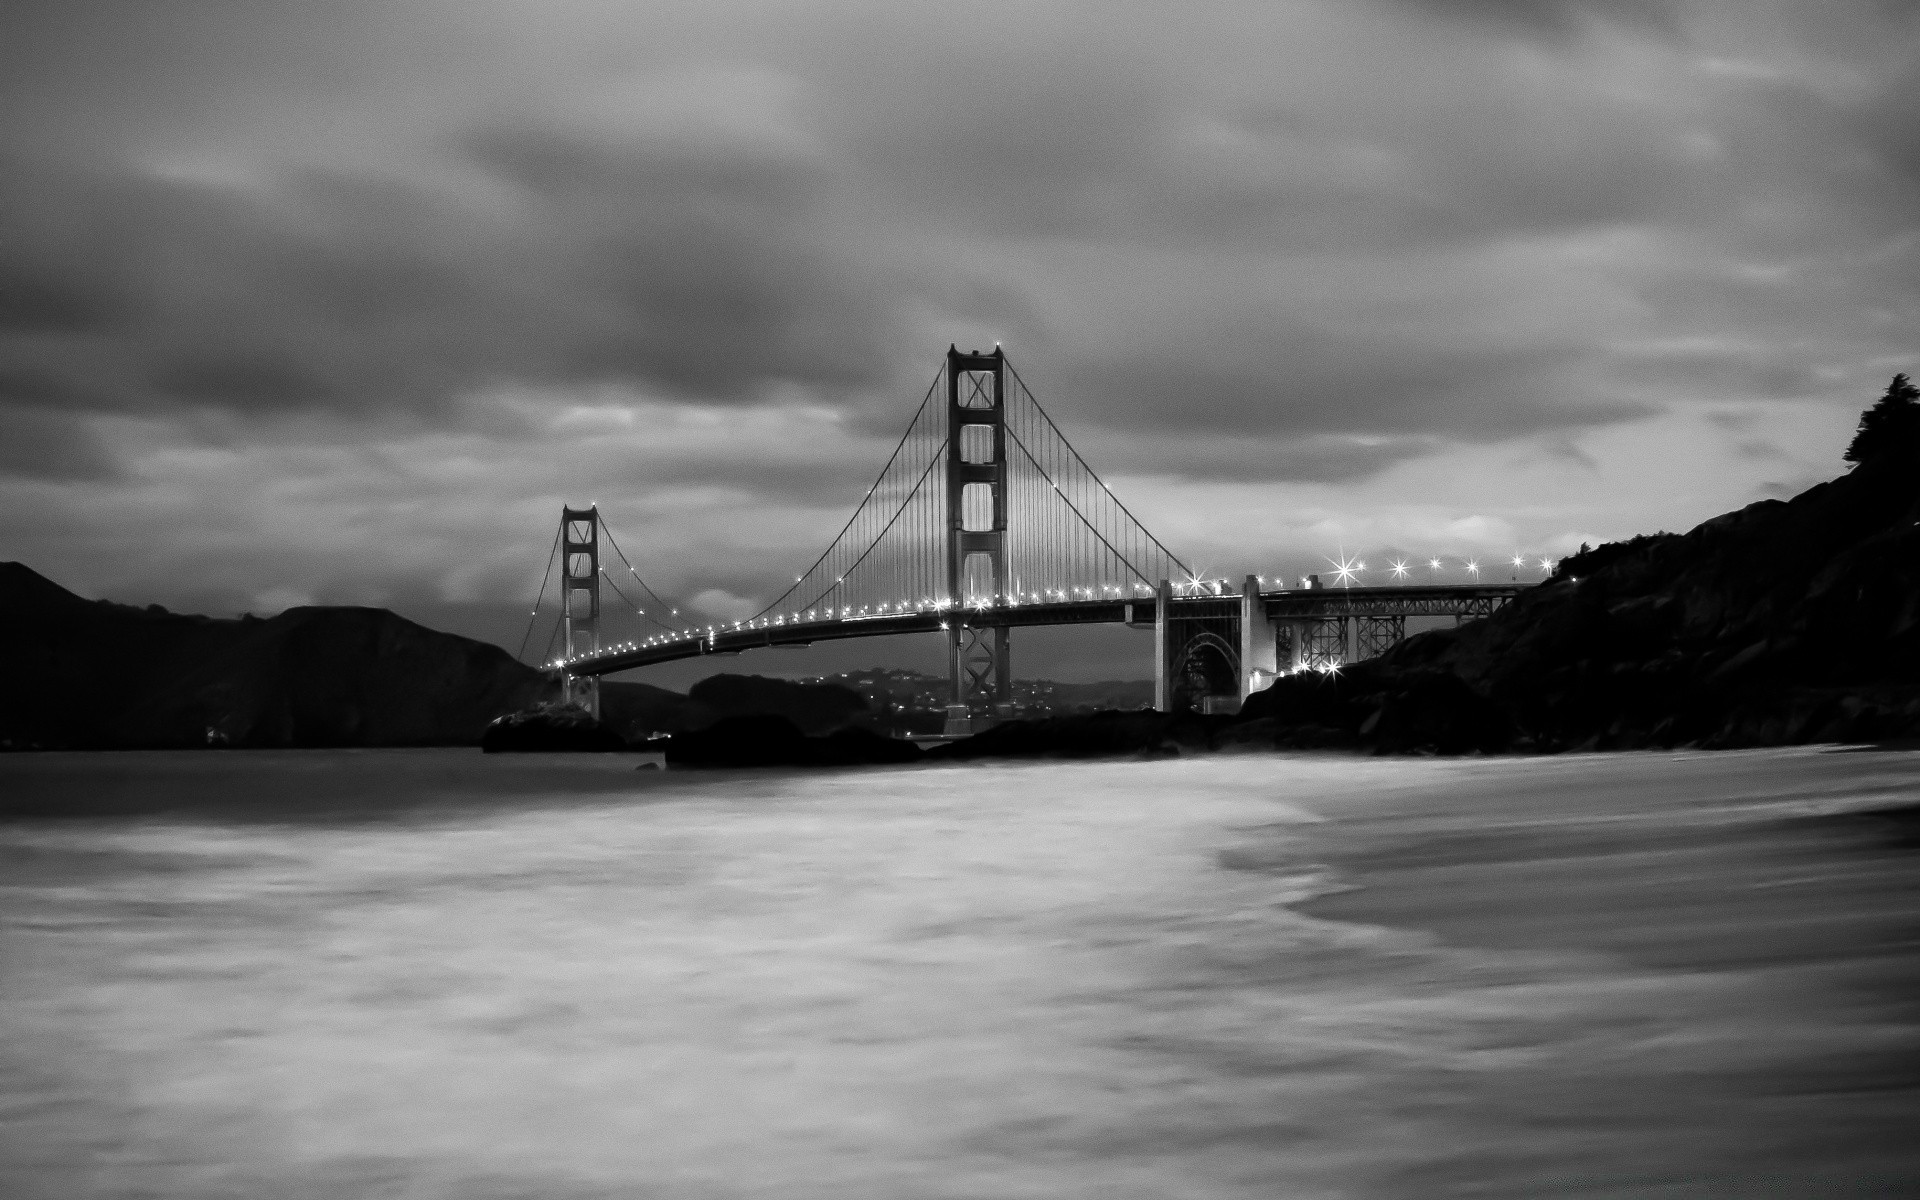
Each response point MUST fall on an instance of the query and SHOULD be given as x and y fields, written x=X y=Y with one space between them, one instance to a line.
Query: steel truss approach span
x=983 y=520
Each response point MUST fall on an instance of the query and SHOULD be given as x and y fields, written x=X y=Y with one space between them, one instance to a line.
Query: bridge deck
x=1412 y=600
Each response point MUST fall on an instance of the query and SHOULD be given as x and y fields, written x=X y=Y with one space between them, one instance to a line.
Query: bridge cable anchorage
x=539 y=597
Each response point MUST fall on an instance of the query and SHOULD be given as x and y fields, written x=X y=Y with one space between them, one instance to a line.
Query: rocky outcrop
x=549 y=728
x=765 y=740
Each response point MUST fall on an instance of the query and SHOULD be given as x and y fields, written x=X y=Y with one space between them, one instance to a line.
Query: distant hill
x=87 y=674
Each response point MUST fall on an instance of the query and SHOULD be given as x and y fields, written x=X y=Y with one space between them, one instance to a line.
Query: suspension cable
x=881 y=478
x=631 y=570
x=541 y=595
x=630 y=604
x=1083 y=519
x=1096 y=475
x=876 y=537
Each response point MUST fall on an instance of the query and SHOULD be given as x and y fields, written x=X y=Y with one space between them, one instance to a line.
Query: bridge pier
x=979 y=661
x=580 y=601
x=976 y=477
x=1259 y=642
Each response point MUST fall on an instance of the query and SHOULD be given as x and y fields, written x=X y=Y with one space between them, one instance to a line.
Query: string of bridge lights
x=1347 y=572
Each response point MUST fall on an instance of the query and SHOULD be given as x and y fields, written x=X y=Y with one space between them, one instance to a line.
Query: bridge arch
x=1208 y=665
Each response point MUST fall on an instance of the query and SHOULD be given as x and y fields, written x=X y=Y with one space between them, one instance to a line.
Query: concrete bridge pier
x=1259 y=642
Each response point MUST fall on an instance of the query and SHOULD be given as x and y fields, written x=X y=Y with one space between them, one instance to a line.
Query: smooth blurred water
x=439 y=974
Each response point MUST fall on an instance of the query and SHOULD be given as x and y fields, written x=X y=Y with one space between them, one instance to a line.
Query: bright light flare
x=1345 y=570
x=1399 y=569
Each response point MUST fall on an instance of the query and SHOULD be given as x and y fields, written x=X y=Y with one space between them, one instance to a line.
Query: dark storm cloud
x=1310 y=385
x=1225 y=457
x=712 y=266
x=691 y=262
x=321 y=292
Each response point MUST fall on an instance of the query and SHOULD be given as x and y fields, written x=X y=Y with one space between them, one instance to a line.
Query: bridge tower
x=976 y=535
x=580 y=599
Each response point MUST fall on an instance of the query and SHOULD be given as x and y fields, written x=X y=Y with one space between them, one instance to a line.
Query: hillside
x=1785 y=622
x=86 y=674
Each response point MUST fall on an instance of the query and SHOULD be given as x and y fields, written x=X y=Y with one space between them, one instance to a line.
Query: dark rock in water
x=1089 y=735
x=772 y=741
x=861 y=747
x=551 y=728
x=761 y=741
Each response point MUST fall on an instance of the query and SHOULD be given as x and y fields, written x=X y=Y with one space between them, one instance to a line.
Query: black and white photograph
x=1046 y=600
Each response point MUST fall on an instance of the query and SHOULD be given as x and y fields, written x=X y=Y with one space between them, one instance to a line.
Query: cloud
x=1558 y=20
x=291 y=287
x=724 y=606
x=324 y=293
x=43 y=445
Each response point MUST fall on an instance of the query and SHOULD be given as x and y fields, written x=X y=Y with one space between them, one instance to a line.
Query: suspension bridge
x=985 y=519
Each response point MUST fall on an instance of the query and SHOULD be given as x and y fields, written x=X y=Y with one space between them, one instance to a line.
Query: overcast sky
x=338 y=300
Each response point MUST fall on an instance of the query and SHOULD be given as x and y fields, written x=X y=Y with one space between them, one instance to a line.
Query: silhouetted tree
x=1891 y=426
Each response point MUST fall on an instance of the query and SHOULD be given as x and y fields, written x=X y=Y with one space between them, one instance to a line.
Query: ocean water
x=441 y=974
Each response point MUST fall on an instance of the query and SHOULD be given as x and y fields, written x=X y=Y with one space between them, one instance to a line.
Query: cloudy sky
x=338 y=300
